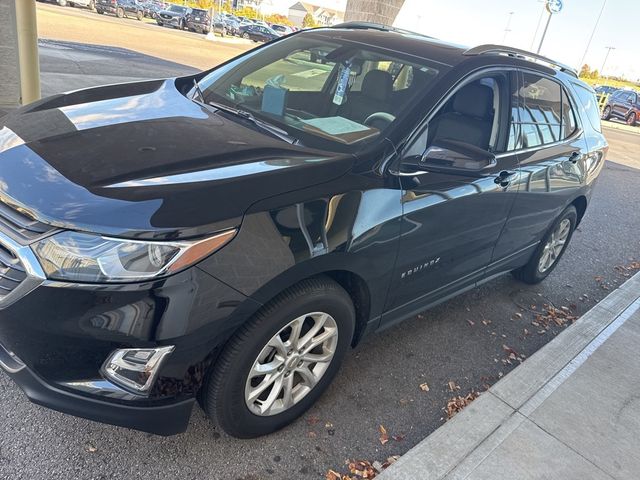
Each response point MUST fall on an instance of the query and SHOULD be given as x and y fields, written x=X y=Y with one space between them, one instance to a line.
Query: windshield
x=327 y=93
x=177 y=9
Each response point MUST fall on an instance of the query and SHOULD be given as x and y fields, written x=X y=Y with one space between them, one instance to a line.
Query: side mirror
x=452 y=156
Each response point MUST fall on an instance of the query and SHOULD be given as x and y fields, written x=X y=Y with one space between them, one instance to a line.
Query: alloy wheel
x=631 y=119
x=291 y=364
x=554 y=245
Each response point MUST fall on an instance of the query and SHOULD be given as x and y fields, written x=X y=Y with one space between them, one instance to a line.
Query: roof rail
x=364 y=26
x=356 y=25
x=490 y=49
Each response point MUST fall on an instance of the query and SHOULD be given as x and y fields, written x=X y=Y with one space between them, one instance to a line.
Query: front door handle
x=504 y=178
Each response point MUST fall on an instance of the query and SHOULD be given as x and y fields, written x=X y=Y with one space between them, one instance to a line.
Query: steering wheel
x=384 y=117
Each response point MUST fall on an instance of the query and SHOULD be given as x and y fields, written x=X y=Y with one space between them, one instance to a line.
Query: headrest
x=474 y=100
x=377 y=84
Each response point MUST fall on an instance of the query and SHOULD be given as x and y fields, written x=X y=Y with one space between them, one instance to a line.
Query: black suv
x=198 y=20
x=120 y=8
x=624 y=105
x=228 y=236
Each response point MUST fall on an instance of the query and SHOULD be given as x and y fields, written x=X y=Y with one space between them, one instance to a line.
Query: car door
x=621 y=104
x=551 y=152
x=456 y=194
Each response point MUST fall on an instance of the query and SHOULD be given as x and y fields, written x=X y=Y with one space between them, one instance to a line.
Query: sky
x=473 y=22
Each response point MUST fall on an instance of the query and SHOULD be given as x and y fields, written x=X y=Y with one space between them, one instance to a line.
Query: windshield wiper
x=272 y=129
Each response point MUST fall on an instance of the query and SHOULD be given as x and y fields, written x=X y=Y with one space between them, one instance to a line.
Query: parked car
x=152 y=8
x=258 y=33
x=173 y=16
x=90 y=4
x=229 y=235
x=120 y=8
x=623 y=105
x=198 y=20
x=603 y=90
x=231 y=26
x=281 y=29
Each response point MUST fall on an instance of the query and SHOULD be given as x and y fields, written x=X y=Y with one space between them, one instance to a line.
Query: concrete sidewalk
x=571 y=411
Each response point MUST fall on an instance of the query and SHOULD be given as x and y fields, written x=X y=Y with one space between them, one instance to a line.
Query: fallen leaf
x=384 y=436
x=91 y=449
x=424 y=387
x=452 y=386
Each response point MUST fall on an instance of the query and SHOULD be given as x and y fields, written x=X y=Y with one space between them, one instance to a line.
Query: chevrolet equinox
x=226 y=237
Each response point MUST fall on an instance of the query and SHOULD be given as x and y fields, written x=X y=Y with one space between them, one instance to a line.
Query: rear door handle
x=504 y=178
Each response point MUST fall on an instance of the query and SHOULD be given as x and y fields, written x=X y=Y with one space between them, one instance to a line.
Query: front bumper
x=169 y=419
x=55 y=338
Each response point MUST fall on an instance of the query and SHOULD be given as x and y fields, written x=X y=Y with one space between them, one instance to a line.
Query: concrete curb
x=456 y=448
x=620 y=126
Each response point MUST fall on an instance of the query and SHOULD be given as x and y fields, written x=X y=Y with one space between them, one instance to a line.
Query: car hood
x=142 y=160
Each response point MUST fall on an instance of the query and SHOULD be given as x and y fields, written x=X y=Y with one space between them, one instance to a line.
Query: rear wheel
x=280 y=363
x=140 y=15
x=606 y=113
x=631 y=119
x=548 y=253
x=245 y=35
x=120 y=12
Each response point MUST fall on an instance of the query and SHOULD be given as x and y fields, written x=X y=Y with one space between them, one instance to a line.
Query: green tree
x=308 y=21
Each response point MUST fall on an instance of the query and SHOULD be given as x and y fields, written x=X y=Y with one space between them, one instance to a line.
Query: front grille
x=12 y=272
x=19 y=226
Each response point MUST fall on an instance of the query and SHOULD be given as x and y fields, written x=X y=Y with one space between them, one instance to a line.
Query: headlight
x=83 y=257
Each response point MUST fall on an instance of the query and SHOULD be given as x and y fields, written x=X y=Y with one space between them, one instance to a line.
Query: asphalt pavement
x=461 y=341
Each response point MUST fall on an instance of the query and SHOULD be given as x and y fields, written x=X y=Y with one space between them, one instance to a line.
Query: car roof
x=429 y=48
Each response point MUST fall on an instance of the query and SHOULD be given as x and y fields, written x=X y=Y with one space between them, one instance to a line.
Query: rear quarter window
x=589 y=104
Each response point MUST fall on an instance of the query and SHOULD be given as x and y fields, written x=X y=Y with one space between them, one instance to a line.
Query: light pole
x=586 y=50
x=552 y=6
x=605 y=59
x=507 y=29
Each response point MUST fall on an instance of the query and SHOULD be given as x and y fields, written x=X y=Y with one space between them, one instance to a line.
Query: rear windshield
x=589 y=104
x=326 y=92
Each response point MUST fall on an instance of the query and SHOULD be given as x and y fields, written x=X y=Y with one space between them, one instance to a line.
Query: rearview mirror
x=456 y=157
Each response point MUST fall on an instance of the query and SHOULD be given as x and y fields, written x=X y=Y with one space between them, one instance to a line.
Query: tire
x=120 y=12
x=92 y=5
x=631 y=119
x=160 y=24
x=62 y=3
x=225 y=393
x=140 y=16
x=533 y=272
x=245 y=35
x=606 y=113
x=101 y=12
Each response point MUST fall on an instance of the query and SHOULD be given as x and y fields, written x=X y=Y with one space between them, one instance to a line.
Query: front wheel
x=120 y=12
x=551 y=248
x=245 y=36
x=282 y=360
x=631 y=119
x=140 y=16
x=606 y=113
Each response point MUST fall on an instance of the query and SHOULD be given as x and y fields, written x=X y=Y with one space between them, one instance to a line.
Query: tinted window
x=589 y=105
x=540 y=109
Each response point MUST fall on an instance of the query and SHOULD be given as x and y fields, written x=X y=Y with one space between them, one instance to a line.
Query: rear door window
x=544 y=113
